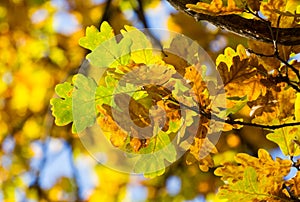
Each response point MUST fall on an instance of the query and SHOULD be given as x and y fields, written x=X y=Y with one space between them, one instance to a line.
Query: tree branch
x=141 y=14
x=249 y=28
x=228 y=120
x=272 y=127
x=76 y=175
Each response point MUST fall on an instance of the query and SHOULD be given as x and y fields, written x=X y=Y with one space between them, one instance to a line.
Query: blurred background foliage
x=39 y=49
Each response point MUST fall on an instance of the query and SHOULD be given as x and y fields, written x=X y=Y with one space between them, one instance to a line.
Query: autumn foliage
x=227 y=128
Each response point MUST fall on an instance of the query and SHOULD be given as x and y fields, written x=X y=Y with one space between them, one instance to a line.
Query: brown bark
x=250 y=28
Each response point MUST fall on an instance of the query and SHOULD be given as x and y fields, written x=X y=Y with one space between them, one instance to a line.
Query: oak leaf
x=254 y=179
x=200 y=93
x=111 y=130
x=93 y=38
x=251 y=188
x=264 y=165
x=294 y=185
x=62 y=107
x=238 y=72
x=287 y=138
x=216 y=7
x=201 y=149
x=76 y=103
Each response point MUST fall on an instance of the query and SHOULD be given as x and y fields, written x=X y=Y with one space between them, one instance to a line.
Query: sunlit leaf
x=254 y=178
x=62 y=107
x=111 y=54
x=264 y=165
x=287 y=139
x=239 y=71
x=94 y=37
x=159 y=149
x=142 y=51
x=239 y=103
x=272 y=9
x=250 y=188
x=76 y=103
x=216 y=7
x=294 y=185
x=84 y=110
x=297 y=107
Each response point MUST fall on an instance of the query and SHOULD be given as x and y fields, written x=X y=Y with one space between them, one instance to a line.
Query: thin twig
x=232 y=122
x=277 y=56
x=214 y=117
x=272 y=127
x=48 y=123
x=142 y=17
x=106 y=14
x=74 y=171
x=141 y=14
x=281 y=78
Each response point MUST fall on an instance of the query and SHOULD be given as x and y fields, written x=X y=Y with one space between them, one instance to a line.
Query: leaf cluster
x=261 y=90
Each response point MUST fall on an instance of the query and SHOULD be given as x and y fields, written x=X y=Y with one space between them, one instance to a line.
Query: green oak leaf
x=153 y=157
x=104 y=95
x=62 y=107
x=151 y=163
x=111 y=54
x=141 y=49
x=84 y=111
x=250 y=188
x=76 y=103
x=287 y=139
x=94 y=38
x=239 y=103
x=246 y=189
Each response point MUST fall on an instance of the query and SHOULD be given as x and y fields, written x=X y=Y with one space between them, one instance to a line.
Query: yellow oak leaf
x=216 y=7
x=229 y=53
x=297 y=107
x=111 y=130
x=263 y=164
x=240 y=79
x=136 y=144
x=238 y=72
x=294 y=185
x=254 y=178
x=272 y=9
x=201 y=150
x=251 y=188
x=193 y=74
